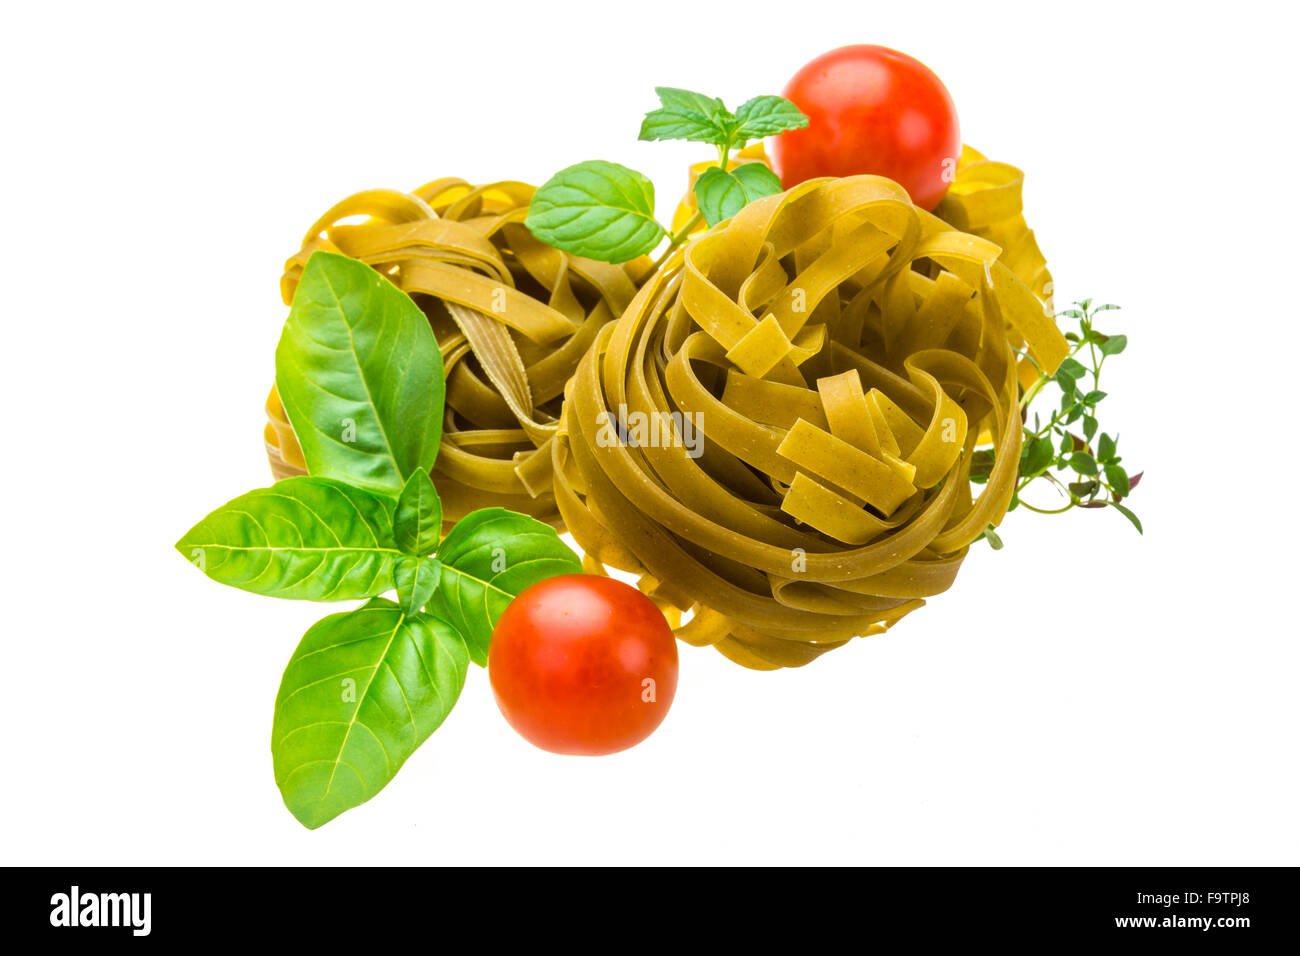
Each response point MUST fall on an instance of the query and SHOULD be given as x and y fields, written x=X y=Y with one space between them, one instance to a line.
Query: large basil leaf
x=309 y=538
x=487 y=559
x=360 y=375
x=361 y=692
x=598 y=210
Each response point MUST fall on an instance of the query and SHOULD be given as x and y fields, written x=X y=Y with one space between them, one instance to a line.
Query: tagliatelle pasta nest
x=777 y=434
x=512 y=317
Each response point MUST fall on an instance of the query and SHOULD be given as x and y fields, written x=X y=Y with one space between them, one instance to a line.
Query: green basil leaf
x=1093 y=397
x=360 y=375
x=361 y=692
x=681 y=124
x=415 y=578
x=308 y=538
x=597 y=210
x=1105 y=448
x=1114 y=345
x=417 y=522
x=487 y=559
x=768 y=116
x=722 y=193
x=1089 y=427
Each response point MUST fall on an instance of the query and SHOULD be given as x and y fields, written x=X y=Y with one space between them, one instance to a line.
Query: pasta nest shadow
x=512 y=317
x=777 y=433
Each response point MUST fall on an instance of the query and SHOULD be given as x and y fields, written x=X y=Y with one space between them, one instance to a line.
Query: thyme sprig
x=1086 y=470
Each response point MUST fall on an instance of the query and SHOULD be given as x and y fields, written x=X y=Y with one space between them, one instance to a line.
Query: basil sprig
x=602 y=210
x=361 y=377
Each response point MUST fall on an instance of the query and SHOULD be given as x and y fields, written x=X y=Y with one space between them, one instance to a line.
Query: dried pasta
x=512 y=317
x=777 y=433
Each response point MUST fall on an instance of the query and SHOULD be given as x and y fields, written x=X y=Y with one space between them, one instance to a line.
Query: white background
x=1085 y=696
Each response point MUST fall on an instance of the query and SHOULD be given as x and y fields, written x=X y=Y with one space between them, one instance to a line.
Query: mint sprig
x=602 y=210
x=1086 y=470
x=694 y=116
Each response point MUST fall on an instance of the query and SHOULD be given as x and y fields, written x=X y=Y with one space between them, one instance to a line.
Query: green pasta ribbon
x=839 y=353
x=512 y=317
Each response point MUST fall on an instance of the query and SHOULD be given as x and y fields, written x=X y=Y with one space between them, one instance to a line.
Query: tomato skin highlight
x=871 y=110
x=569 y=663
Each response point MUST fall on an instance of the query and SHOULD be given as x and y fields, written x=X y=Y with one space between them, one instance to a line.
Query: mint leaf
x=686 y=101
x=688 y=116
x=721 y=193
x=598 y=210
x=767 y=116
x=417 y=522
x=671 y=124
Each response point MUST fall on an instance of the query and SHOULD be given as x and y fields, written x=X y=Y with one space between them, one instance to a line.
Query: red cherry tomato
x=871 y=110
x=583 y=664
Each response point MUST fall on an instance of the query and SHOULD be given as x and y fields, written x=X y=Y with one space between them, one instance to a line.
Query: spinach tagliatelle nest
x=840 y=353
x=512 y=317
